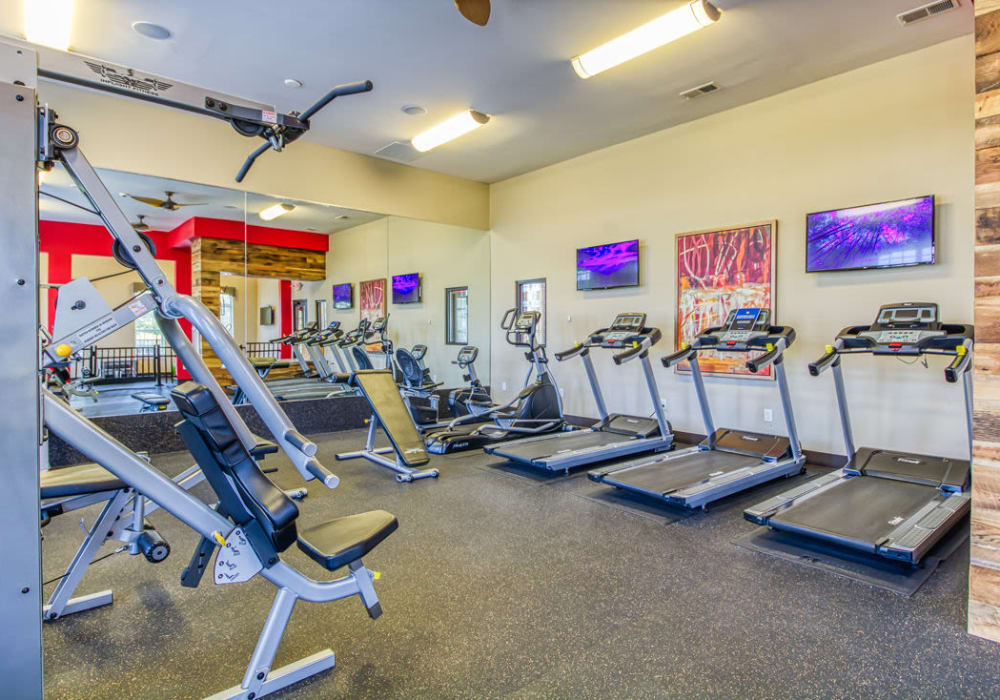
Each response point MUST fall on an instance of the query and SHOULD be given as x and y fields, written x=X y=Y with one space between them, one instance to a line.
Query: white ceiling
x=516 y=68
x=214 y=202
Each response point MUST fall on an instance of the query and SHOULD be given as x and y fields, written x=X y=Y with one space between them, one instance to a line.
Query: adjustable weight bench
x=379 y=388
x=265 y=526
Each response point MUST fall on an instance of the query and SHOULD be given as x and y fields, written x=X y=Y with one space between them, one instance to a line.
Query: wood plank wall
x=984 y=567
x=212 y=256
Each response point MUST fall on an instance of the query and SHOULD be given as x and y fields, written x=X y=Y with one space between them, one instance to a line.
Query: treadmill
x=892 y=504
x=727 y=461
x=615 y=434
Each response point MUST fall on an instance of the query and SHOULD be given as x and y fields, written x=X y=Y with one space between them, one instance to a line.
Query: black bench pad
x=77 y=481
x=338 y=542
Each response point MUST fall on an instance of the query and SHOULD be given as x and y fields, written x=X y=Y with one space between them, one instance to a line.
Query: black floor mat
x=859 y=566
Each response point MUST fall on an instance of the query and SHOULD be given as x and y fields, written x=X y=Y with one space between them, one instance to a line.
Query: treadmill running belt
x=554 y=446
x=670 y=472
x=860 y=512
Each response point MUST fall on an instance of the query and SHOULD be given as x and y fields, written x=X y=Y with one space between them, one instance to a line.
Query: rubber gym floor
x=502 y=582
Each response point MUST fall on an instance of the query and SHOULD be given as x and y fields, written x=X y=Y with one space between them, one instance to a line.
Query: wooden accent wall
x=212 y=256
x=984 y=568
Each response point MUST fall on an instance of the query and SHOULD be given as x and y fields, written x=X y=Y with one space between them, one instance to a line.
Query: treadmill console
x=622 y=331
x=904 y=324
x=743 y=324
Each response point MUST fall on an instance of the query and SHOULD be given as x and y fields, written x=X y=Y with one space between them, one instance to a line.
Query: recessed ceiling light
x=151 y=31
x=312 y=228
x=343 y=217
x=293 y=83
x=413 y=110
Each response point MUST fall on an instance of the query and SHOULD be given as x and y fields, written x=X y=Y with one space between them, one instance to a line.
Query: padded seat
x=77 y=481
x=338 y=542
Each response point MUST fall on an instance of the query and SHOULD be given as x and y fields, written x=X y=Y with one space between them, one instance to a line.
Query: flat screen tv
x=608 y=266
x=343 y=296
x=406 y=288
x=890 y=234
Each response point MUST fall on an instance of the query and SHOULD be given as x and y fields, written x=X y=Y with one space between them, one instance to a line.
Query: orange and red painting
x=718 y=271
x=372 y=301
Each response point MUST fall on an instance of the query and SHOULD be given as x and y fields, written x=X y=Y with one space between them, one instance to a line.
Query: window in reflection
x=321 y=313
x=531 y=297
x=457 y=315
x=227 y=309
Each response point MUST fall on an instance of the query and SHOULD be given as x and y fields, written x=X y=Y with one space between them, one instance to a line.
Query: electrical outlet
x=663 y=403
x=434 y=377
x=569 y=319
x=561 y=392
x=768 y=415
x=428 y=322
x=503 y=386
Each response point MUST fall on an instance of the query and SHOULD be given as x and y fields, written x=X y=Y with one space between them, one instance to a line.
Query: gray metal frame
x=404 y=474
x=20 y=421
x=31 y=138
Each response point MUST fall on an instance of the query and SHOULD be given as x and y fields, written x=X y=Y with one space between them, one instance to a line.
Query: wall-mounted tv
x=343 y=296
x=608 y=266
x=267 y=315
x=406 y=288
x=890 y=234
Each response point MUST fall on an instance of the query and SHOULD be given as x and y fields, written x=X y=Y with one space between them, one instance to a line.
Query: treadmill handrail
x=578 y=349
x=679 y=356
x=635 y=351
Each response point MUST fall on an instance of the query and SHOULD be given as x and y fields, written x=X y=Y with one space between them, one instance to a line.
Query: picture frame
x=718 y=270
x=371 y=298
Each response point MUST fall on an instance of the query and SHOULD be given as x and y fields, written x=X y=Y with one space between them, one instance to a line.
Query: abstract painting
x=890 y=234
x=718 y=271
x=372 y=299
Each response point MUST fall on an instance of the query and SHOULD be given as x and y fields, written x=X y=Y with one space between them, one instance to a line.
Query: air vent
x=399 y=150
x=927 y=11
x=700 y=90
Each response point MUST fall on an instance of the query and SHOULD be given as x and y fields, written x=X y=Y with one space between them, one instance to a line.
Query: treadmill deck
x=562 y=451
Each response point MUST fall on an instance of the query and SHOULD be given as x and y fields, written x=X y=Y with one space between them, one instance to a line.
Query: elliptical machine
x=536 y=409
x=474 y=399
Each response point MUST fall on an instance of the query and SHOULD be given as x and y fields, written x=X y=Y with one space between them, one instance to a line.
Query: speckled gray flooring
x=503 y=582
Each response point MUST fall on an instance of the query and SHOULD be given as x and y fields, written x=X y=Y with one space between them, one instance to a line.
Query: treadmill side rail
x=914 y=538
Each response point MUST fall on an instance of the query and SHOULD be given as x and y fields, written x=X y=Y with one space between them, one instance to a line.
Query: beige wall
x=894 y=129
x=199 y=149
x=445 y=256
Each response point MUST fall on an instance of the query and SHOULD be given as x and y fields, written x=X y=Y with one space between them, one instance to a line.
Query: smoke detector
x=700 y=90
x=931 y=9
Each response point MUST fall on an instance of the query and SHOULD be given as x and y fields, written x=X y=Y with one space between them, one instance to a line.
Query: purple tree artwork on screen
x=879 y=235
x=405 y=288
x=611 y=265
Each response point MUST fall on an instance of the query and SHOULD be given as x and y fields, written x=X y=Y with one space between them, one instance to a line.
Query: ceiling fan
x=476 y=11
x=142 y=225
x=169 y=204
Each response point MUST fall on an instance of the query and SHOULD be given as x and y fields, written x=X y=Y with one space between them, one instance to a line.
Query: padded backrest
x=409 y=367
x=248 y=494
x=379 y=388
x=362 y=359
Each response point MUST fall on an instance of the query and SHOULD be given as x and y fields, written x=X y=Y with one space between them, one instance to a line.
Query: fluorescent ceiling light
x=652 y=35
x=450 y=129
x=276 y=210
x=48 y=22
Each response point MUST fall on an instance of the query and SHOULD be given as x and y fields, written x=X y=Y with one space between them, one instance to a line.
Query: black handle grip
x=678 y=357
x=250 y=161
x=822 y=363
x=624 y=357
x=756 y=364
x=339 y=91
x=959 y=365
x=572 y=352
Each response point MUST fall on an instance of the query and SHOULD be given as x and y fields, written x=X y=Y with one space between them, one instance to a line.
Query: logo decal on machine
x=896 y=521
x=128 y=80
